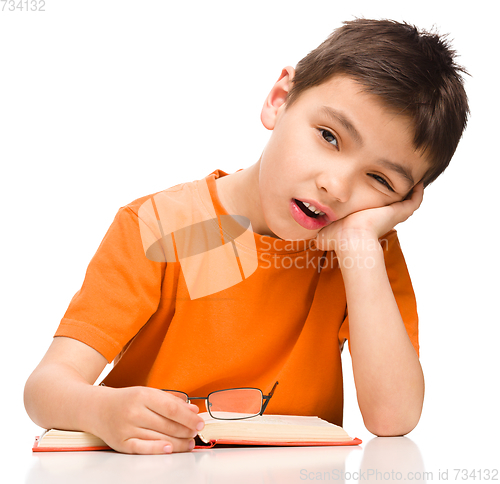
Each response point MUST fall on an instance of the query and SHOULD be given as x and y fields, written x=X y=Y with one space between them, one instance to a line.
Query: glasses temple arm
x=267 y=398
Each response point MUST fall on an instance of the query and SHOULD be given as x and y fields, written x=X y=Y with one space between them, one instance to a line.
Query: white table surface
x=423 y=458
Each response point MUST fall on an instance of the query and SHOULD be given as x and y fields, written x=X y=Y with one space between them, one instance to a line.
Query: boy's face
x=336 y=148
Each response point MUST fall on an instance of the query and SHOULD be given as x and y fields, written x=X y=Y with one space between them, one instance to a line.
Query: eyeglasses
x=232 y=403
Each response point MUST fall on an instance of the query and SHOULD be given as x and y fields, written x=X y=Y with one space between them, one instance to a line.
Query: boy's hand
x=141 y=420
x=371 y=223
x=135 y=420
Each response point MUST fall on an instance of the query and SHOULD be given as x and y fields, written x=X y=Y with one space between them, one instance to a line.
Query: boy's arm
x=60 y=394
x=387 y=373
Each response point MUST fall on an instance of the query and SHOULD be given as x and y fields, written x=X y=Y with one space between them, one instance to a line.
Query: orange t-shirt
x=185 y=297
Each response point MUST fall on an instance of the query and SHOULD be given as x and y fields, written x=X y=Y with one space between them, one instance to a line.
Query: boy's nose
x=336 y=186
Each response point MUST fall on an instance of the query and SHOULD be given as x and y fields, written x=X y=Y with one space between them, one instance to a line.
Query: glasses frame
x=263 y=405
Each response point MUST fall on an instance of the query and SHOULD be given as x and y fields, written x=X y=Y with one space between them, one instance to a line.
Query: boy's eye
x=329 y=137
x=383 y=181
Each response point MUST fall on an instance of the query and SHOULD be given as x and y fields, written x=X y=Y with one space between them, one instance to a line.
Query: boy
x=242 y=280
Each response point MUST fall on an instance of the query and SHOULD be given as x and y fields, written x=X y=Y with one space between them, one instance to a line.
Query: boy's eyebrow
x=402 y=170
x=344 y=121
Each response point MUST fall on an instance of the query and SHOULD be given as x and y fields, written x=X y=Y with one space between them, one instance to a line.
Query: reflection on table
x=392 y=458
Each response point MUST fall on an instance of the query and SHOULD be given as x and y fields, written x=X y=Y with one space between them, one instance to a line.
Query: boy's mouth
x=308 y=209
x=303 y=214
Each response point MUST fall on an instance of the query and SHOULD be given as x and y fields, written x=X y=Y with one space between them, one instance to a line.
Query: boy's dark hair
x=413 y=71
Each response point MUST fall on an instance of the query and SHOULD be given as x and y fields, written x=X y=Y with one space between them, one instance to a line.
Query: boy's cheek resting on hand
x=371 y=223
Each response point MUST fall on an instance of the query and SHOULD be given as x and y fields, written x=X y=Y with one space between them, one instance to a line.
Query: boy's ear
x=277 y=98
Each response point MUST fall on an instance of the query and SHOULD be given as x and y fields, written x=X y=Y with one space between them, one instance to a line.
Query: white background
x=102 y=102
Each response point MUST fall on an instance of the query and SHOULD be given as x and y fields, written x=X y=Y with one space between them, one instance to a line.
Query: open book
x=54 y=440
x=280 y=430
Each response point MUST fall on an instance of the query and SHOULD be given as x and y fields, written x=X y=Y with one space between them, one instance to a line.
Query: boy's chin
x=295 y=235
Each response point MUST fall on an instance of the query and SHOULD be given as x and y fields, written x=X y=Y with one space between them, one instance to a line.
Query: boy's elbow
x=389 y=426
x=27 y=393
x=29 y=397
x=37 y=396
x=390 y=430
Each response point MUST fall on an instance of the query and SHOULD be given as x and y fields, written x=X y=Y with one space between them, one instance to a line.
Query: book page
x=274 y=419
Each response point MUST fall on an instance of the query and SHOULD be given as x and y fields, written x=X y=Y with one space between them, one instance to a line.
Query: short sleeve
x=402 y=288
x=120 y=292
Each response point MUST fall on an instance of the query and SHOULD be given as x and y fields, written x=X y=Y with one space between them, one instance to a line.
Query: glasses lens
x=235 y=404
x=180 y=395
